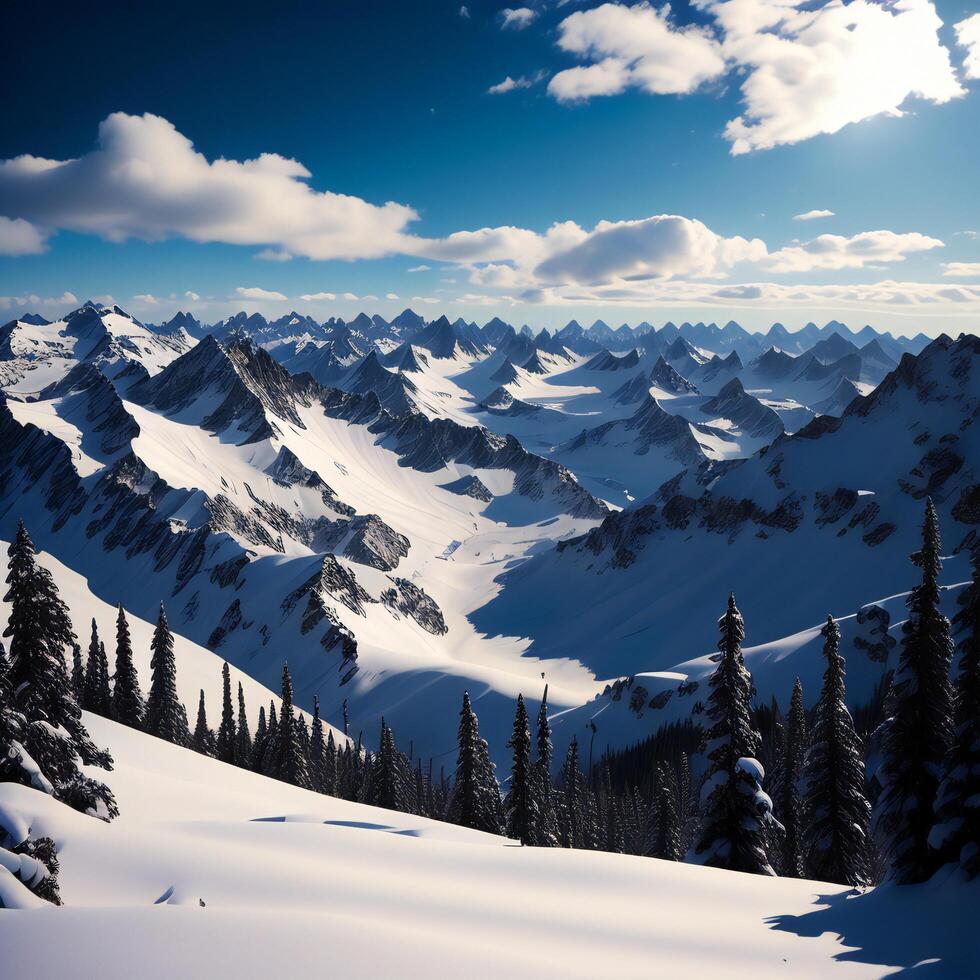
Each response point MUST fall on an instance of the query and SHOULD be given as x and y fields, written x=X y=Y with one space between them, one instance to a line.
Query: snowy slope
x=213 y=871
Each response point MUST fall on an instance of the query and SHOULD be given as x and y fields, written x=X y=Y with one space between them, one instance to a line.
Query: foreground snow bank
x=211 y=871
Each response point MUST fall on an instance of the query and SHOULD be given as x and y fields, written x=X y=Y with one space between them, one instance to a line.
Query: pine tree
x=226 y=735
x=127 y=698
x=270 y=744
x=547 y=831
x=98 y=698
x=42 y=737
x=685 y=803
x=77 y=673
x=837 y=809
x=34 y=863
x=918 y=732
x=735 y=811
x=258 y=743
x=203 y=738
x=956 y=834
x=317 y=749
x=665 y=839
x=521 y=807
x=789 y=802
x=570 y=814
x=475 y=798
x=288 y=761
x=243 y=738
x=166 y=717
x=386 y=784
x=330 y=767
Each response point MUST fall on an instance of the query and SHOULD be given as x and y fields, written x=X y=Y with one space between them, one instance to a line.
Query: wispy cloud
x=522 y=81
x=259 y=294
x=517 y=18
x=813 y=215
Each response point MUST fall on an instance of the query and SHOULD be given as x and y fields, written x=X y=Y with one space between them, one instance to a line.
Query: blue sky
x=622 y=122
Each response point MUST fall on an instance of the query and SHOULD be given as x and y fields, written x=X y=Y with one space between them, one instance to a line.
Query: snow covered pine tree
x=734 y=810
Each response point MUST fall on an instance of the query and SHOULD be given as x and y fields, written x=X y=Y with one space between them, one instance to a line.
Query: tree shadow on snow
x=923 y=931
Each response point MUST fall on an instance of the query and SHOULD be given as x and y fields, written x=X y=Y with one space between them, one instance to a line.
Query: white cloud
x=147 y=298
x=350 y=296
x=968 y=36
x=318 y=297
x=191 y=295
x=274 y=255
x=517 y=18
x=633 y=47
x=868 y=248
x=511 y=84
x=813 y=215
x=810 y=70
x=391 y=295
x=145 y=180
x=65 y=299
x=20 y=237
x=430 y=300
x=419 y=268
x=803 y=70
x=965 y=269
x=259 y=294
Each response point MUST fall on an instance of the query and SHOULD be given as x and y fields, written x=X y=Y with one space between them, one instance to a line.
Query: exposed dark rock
x=410 y=600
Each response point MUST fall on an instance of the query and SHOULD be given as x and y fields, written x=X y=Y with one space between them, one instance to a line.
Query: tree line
x=693 y=792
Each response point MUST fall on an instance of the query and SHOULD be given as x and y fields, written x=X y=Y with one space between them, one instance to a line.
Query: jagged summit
x=664 y=377
x=745 y=410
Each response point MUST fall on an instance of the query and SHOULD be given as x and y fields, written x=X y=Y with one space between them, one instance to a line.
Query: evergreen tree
x=42 y=737
x=98 y=698
x=258 y=744
x=837 y=809
x=34 y=863
x=919 y=728
x=288 y=759
x=735 y=811
x=956 y=834
x=789 y=802
x=166 y=717
x=570 y=814
x=547 y=831
x=203 y=738
x=127 y=698
x=77 y=673
x=386 y=784
x=330 y=766
x=687 y=812
x=225 y=740
x=475 y=798
x=665 y=840
x=243 y=738
x=317 y=749
x=270 y=744
x=613 y=821
x=521 y=807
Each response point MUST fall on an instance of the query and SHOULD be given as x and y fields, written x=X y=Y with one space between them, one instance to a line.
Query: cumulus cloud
x=803 y=70
x=259 y=294
x=391 y=295
x=511 y=84
x=146 y=180
x=147 y=298
x=965 y=269
x=633 y=47
x=839 y=252
x=20 y=237
x=811 y=70
x=317 y=297
x=517 y=18
x=191 y=295
x=65 y=299
x=813 y=215
x=968 y=36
